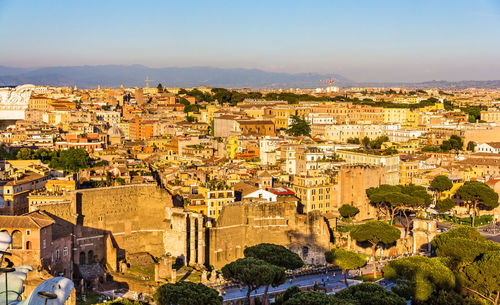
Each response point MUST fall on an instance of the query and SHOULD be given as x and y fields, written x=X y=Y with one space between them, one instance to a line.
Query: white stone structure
x=13 y=102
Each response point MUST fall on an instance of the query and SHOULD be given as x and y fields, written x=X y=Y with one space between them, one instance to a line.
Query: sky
x=363 y=40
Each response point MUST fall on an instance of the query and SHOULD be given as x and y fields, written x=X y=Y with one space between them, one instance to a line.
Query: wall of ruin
x=246 y=224
x=352 y=182
x=184 y=236
x=132 y=215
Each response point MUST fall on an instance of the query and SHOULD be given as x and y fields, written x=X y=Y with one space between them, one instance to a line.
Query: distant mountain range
x=135 y=75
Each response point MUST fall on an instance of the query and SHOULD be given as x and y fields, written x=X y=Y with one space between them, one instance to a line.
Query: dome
x=115 y=131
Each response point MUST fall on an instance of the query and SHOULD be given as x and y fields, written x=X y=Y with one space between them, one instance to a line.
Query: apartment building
x=390 y=162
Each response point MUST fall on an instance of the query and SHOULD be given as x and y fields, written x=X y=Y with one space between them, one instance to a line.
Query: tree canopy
x=348 y=211
x=186 y=293
x=475 y=261
x=376 y=233
x=471 y=146
x=454 y=143
x=310 y=298
x=393 y=199
x=254 y=273
x=124 y=302
x=71 y=160
x=477 y=195
x=441 y=183
x=444 y=205
x=346 y=260
x=424 y=275
x=299 y=127
x=275 y=254
x=368 y=294
x=483 y=276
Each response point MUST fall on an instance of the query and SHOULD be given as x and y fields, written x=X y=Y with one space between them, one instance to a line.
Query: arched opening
x=90 y=257
x=82 y=258
x=305 y=251
x=17 y=240
x=28 y=245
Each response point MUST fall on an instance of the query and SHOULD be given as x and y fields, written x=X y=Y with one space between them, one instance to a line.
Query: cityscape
x=237 y=169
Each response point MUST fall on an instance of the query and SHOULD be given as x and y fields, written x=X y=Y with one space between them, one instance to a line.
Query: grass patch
x=90 y=298
x=369 y=277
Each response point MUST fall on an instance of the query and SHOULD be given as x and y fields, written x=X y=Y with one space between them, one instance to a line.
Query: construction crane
x=147 y=80
x=330 y=81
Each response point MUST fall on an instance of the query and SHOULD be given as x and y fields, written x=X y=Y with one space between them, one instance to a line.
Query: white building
x=490 y=147
x=260 y=193
x=267 y=148
x=110 y=117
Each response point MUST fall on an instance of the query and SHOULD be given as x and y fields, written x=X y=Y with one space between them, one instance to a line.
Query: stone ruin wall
x=133 y=214
x=352 y=185
x=242 y=225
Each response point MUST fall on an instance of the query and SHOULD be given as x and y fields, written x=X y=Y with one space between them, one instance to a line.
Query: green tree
x=299 y=127
x=346 y=260
x=160 y=88
x=71 y=160
x=353 y=141
x=443 y=297
x=444 y=205
x=483 y=277
x=425 y=275
x=289 y=293
x=212 y=128
x=276 y=255
x=475 y=260
x=393 y=199
x=348 y=211
x=440 y=184
x=366 y=142
x=368 y=294
x=186 y=293
x=310 y=298
x=455 y=142
x=254 y=273
x=376 y=233
x=124 y=302
x=24 y=154
x=461 y=246
x=191 y=108
x=386 y=199
x=184 y=101
x=377 y=143
x=477 y=195
x=471 y=146
x=416 y=199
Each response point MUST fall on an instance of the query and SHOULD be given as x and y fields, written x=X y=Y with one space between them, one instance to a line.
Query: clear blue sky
x=365 y=40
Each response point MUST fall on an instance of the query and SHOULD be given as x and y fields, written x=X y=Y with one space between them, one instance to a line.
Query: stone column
x=201 y=241
x=192 y=242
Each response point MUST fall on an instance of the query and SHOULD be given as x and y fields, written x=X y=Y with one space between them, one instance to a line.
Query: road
x=327 y=280
x=333 y=283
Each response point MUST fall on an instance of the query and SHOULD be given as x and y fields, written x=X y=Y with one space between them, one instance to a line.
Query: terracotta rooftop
x=35 y=220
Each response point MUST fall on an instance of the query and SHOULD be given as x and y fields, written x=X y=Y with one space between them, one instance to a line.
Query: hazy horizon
x=386 y=41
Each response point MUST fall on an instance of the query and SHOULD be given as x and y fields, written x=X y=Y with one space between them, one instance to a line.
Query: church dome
x=115 y=131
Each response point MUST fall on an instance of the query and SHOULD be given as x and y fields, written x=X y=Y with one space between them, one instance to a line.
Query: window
x=28 y=232
x=65 y=251
x=44 y=244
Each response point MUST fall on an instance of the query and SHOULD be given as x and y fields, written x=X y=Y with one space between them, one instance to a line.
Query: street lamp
x=5 y=271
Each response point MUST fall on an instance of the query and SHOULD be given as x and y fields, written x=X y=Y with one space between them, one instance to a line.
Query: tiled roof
x=35 y=220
